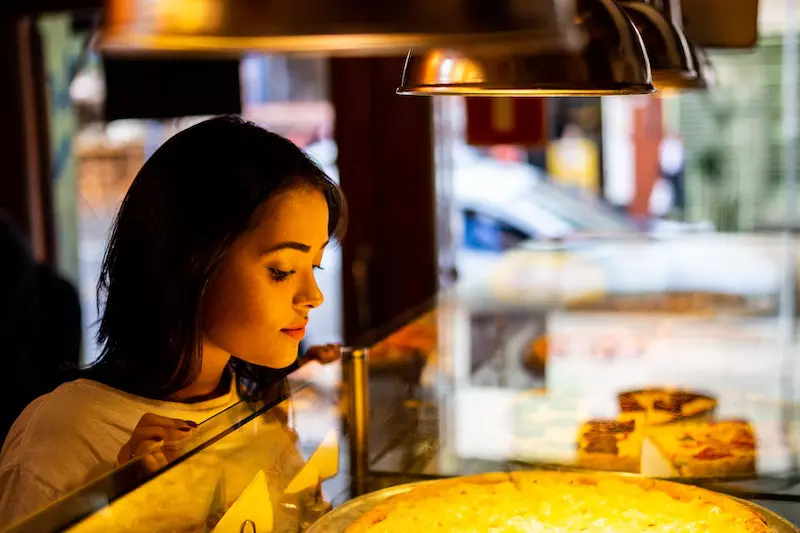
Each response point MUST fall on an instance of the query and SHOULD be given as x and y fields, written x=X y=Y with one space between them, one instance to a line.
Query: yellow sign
x=574 y=161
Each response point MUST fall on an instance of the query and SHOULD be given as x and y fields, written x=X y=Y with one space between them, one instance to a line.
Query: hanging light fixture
x=705 y=79
x=668 y=50
x=339 y=27
x=612 y=60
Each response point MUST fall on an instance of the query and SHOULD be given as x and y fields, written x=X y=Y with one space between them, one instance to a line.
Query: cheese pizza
x=663 y=406
x=724 y=448
x=527 y=502
x=611 y=444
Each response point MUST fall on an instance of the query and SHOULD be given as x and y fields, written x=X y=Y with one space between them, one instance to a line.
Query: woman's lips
x=295 y=333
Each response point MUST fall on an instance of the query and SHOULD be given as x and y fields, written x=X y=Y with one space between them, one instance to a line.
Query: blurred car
x=500 y=206
x=521 y=203
x=522 y=236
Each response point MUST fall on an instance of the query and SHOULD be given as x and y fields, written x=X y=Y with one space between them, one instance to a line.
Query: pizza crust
x=750 y=519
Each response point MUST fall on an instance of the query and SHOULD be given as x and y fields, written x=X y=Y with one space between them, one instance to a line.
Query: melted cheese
x=610 y=506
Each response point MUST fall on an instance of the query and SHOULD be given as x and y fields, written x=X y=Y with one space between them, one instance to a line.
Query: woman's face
x=257 y=304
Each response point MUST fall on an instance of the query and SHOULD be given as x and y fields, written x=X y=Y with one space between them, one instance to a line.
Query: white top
x=72 y=435
x=671 y=154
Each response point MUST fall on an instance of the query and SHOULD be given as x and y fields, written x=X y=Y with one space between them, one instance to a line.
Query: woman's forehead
x=299 y=215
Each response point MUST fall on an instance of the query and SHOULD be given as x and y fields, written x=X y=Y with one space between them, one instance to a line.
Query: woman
x=212 y=253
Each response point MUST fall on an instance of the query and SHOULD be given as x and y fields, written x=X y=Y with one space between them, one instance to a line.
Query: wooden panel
x=33 y=7
x=386 y=170
x=24 y=184
x=13 y=190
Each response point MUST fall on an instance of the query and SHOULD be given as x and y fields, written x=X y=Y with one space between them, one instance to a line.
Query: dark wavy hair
x=187 y=205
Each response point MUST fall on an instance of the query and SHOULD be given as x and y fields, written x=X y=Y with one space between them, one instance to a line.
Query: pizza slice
x=700 y=449
x=611 y=444
x=664 y=406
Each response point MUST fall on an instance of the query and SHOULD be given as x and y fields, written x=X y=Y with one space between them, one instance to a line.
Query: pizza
x=668 y=433
x=526 y=502
x=671 y=302
x=663 y=406
x=710 y=449
x=611 y=444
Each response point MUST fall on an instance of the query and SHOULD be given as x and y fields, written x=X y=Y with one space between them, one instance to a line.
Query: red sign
x=498 y=120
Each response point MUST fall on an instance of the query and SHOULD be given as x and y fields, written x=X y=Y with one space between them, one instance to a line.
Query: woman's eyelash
x=280 y=275
x=318 y=267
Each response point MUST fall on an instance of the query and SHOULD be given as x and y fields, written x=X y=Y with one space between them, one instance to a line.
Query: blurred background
x=682 y=200
x=664 y=167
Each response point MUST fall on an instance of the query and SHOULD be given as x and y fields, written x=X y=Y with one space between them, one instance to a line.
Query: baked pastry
x=611 y=444
x=708 y=449
x=663 y=406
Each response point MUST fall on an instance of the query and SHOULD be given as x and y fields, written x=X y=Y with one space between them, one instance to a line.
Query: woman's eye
x=280 y=275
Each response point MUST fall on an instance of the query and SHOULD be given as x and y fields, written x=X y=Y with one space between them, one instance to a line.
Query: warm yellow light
x=338 y=27
x=187 y=16
x=477 y=90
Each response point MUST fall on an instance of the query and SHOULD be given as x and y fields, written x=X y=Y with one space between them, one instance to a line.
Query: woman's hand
x=155 y=439
x=324 y=354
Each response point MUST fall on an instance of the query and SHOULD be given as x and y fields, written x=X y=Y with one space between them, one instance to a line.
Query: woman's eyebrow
x=292 y=245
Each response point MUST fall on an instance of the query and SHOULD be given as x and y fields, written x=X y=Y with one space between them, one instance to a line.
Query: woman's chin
x=288 y=361
x=277 y=361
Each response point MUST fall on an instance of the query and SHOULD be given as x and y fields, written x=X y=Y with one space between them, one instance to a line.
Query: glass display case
x=672 y=359
x=266 y=466
x=694 y=381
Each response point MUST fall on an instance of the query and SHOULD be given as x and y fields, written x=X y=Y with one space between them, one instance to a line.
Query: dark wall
x=386 y=169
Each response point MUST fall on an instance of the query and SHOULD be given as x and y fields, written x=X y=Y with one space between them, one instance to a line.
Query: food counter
x=250 y=466
x=608 y=396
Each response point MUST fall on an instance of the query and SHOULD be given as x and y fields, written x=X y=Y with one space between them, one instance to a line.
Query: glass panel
x=262 y=462
x=504 y=381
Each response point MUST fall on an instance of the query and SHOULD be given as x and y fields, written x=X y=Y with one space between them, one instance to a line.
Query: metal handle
x=306 y=507
x=355 y=383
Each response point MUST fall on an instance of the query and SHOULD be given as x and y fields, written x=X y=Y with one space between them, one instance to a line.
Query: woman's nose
x=310 y=296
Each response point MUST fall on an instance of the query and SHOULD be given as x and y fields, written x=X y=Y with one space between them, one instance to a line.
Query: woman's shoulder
x=79 y=420
x=51 y=410
x=71 y=405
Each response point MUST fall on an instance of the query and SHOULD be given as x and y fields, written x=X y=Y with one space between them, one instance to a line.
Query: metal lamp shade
x=612 y=60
